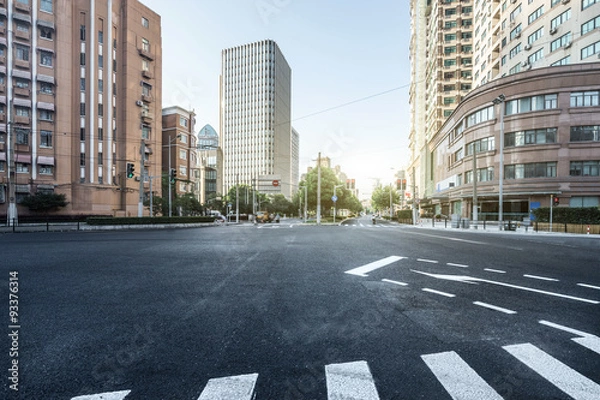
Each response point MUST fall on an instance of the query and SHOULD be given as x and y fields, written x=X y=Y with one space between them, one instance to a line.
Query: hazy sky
x=340 y=52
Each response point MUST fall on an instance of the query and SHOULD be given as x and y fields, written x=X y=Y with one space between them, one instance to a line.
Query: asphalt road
x=284 y=311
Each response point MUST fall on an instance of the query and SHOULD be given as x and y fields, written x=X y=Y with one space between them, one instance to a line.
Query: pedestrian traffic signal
x=130 y=170
x=172 y=175
x=555 y=200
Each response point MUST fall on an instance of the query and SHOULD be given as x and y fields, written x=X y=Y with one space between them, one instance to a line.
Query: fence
x=42 y=226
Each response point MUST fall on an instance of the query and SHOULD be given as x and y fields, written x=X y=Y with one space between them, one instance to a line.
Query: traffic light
x=172 y=175
x=347 y=183
x=130 y=170
x=398 y=184
x=555 y=200
x=352 y=184
x=403 y=184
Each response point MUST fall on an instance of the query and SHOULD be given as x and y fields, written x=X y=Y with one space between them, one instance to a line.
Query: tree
x=380 y=199
x=45 y=202
x=281 y=205
x=244 y=194
x=188 y=204
x=328 y=181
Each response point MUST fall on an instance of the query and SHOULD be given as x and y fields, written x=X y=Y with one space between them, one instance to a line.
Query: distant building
x=256 y=118
x=79 y=100
x=211 y=164
x=180 y=151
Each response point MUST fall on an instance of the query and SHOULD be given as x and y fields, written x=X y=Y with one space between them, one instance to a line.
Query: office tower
x=80 y=89
x=256 y=118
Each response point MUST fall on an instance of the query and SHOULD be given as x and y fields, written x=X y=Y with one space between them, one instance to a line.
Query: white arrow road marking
x=240 y=387
x=458 y=378
x=104 y=396
x=350 y=381
x=560 y=375
x=471 y=279
x=362 y=271
x=587 y=340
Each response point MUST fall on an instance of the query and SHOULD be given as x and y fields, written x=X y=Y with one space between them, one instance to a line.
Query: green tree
x=380 y=199
x=328 y=181
x=281 y=205
x=188 y=204
x=45 y=202
x=244 y=194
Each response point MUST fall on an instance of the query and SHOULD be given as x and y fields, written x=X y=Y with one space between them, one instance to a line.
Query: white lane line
x=541 y=278
x=362 y=271
x=564 y=328
x=493 y=307
x=240 y=387
x=458 y=378
x=471 y=279
x=427 y=261
x=560 y=375
x=457 y=265
x=104 y=396
x=349 y=381
x=585 y=285
x=496 y=271
x=438 y=292
x=590 y=342
x=395 y=282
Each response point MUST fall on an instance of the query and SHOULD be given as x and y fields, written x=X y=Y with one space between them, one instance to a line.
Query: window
x=100 y=61
x=515 y=13
x=100 y=110
x=481 y=145
x=46 y=5
x=450 y=37
x=534 y=103
x=561 y=19
x=46 y=169
x=145 y=23
x=46 y=115
x=22 y=111
x=100 y=86
x=449 y=50
x=145 y=132
x=515 y=50
x=587 y=3
x=535 y=15
x=183 y=122
x=560 y=42
x=100 y=159
x=82 y=159
x=585 y=168
x=531 y=170
x=100 y=37
x=449 y=12
x=22 y=52
x=590 y=50
x=146 y=45
x=515 y=32
x=146 y=91
x=22 y=136
x=81 y=108
x=183 y=171
x=480 y=116
x=82 y=32
x=532 y=136
x=538 y=55
x=21 y=83
x=82 y=134
x=183 y=138
x=535 y=36
x=23 y=27
x=183 y=154
x=585 y=99
x=81 y=58
x=46 y=58
x=100 y=133
x=458 y=155
x=562 y=61
x=145 y=65
x=590 y=25
x=46 y=33
x=586 y=133
x=22 y=168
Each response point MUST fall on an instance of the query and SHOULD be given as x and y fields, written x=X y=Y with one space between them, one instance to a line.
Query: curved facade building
x=548 y=122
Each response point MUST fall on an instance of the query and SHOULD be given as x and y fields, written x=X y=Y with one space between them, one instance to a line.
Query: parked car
x=264 y=216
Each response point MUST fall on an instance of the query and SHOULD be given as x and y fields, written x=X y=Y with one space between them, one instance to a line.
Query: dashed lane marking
x=585 y=285
x=540 y=278
x=395 y=282
x=427 y=261
x=493 y=307
x=457 y=265
x=496 y=271
x=438 y=292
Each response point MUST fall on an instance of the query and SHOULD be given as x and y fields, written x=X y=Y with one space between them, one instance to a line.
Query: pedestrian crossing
x=354 y=380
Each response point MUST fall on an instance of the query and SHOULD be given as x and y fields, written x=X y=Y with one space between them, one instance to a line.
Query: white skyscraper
x=255 y=117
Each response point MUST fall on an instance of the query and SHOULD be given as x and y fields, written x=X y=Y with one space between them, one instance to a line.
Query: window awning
x=21 y=74
x=23 y=158
x=2 y=156
x=45 y=106
x=22 y=17
x=44 y=160
x=45 y=78
x=2 y=99
x=3 y=41
x=46 y=24
x=21 y=102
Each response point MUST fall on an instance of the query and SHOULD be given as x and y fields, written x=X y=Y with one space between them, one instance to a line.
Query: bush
x=567 y=215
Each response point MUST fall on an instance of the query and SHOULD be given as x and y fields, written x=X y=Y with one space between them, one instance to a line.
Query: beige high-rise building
x=80 y=98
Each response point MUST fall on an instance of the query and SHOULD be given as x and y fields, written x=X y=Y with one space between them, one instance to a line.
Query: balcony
x=146 y=54
x=147 y=98
x=147 y=117
x=147 y=74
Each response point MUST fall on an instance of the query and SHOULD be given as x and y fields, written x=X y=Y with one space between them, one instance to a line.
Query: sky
x=350 y=72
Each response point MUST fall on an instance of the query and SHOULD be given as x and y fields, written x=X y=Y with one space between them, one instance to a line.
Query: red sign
x=275 y=182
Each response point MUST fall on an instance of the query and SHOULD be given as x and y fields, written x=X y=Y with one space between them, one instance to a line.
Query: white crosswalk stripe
x=560 y=375
x=349 y=381
x=460 y=381
x=239 y=387
x=353 y=380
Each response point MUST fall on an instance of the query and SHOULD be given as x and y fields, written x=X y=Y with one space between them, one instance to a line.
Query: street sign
x=334 y=198
x=275 y=182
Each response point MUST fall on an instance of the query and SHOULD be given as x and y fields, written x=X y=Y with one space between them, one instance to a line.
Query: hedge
x=148 y=220
x=568 y=215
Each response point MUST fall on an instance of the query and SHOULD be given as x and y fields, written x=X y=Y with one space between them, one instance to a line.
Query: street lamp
x=305 y=201
x=500 y=100
x=11 y=167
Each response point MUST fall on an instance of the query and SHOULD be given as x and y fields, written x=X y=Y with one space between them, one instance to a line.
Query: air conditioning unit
x=139 y=103
x=527 y=47
x=553 y=31
x=565 y=1
x=517 y=35
x=524 y=64
x=568 y=45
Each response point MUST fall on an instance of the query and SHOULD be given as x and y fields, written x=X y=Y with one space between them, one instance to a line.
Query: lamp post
x=500 y=100
x=305 y=201
x=11 y=166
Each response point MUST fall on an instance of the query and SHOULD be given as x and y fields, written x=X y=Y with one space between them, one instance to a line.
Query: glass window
x=46 y=5
x=46 y=58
